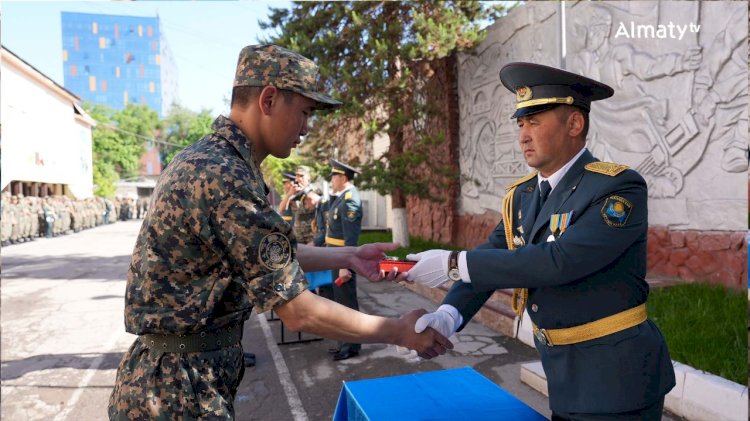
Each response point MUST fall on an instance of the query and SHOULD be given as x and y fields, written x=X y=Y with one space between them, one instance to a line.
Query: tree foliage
x=120 y=139
x=183 y=127
x=375 y=57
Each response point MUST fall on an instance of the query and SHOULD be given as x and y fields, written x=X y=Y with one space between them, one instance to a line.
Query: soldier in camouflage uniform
x=284 y=209
x=212 y=248
x=302 y=208
x=5 y=219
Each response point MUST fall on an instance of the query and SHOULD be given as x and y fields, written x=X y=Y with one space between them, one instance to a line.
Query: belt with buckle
x=592 y=330
x=194 y=342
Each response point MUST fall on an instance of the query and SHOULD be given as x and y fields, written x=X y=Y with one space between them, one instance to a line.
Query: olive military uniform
x=210 y=249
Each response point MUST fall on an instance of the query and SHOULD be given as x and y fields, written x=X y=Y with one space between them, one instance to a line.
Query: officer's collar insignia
x=274 y=251
x=523 y=94
x=616 y=210
x=520 y=215
x=529 y=189
x=559 y=222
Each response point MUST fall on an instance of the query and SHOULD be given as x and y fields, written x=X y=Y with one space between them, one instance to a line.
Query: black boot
x=249 y=359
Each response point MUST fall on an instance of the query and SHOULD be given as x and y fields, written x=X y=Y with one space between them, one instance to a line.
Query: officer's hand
x=366 y=259
x=345 y=275
x=431 y=269
x=446 y=320
x=428 y=344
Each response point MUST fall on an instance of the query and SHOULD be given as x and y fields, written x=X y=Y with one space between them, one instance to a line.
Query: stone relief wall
x=679 y=113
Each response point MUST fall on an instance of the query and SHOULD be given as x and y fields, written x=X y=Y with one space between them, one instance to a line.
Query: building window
x=117 y=72
x=104 y=86
x=65 y=55
x=73 y=70
x=125 y=98
x=92 y=83
x=143 y=100
x=117 y=31
x=151 y=87
x=150 y=31
x=140 y=30
x=141 y=71
x=157 y=59
x=102 y=42
x=129 y=58
x=94 y=28
x=153 y=45
x=76 y=43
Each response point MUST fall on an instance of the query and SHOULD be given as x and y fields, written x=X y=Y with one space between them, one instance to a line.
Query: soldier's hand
x=366 y=259
x=428 y=344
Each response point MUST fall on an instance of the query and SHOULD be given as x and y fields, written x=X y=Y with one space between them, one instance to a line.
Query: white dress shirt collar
x=555 y=178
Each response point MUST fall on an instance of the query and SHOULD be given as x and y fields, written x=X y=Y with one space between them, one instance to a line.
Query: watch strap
x=453 y=260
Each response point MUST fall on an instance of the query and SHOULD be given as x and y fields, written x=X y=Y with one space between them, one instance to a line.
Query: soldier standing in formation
x=344 y=227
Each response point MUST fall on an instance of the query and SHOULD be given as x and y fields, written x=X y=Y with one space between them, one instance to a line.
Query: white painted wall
x=42 y=140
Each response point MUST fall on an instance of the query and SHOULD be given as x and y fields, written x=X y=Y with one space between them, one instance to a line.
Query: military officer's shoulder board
x=606 y=168
x=348 y=195
x=521 y=180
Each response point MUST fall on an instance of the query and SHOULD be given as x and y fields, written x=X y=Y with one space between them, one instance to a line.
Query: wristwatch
x=453 y=273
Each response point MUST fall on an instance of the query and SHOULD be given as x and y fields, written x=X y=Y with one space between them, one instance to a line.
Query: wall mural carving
x=679 y=114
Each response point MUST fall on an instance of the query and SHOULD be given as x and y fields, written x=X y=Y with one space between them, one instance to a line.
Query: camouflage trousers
x=152 y=385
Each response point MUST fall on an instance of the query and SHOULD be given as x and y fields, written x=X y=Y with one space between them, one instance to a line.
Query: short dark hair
x=242 y=96
x=564 y=111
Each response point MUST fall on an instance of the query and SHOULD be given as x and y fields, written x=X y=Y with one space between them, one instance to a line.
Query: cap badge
x=523 y=94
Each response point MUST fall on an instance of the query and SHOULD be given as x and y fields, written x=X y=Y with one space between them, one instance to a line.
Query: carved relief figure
x=648 y=142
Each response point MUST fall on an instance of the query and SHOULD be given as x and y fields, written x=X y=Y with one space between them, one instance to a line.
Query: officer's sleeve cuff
x=463 y=268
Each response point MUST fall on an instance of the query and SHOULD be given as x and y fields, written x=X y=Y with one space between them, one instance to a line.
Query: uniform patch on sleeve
x=616 y=210
x=351 y=215
x=274 y=251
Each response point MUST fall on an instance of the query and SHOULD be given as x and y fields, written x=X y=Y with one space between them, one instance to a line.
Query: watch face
x=454 y=275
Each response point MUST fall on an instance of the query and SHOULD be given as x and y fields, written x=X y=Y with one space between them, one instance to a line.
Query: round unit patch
x=274 y=251
x=616 y=210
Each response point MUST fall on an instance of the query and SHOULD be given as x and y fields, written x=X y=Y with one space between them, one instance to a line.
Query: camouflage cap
x=263 y=65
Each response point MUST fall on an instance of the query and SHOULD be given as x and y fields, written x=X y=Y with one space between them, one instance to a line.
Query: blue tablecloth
x=455 y=394
x=317 y=279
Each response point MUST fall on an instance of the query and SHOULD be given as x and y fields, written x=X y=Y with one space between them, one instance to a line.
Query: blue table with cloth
x=454 y=394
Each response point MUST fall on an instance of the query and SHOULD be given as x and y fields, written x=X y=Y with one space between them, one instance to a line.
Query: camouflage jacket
x=303 y=220
x=211 y=247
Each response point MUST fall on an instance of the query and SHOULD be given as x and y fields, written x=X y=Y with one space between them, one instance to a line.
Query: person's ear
x=266 y=99
x=575 y=124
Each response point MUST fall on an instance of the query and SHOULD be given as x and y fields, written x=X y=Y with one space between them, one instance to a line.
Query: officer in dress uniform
x=572 y=242
x=286 y=212
x=344 y=226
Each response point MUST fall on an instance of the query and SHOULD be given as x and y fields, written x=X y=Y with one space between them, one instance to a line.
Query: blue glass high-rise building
x=116 y=60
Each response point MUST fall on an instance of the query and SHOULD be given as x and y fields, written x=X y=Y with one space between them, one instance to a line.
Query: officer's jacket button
x=534 y=308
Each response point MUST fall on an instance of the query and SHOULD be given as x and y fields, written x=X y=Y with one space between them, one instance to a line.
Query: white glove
x=446 y=320
x=431 y=269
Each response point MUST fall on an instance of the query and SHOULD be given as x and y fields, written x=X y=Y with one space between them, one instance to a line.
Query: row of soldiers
x=25 y=218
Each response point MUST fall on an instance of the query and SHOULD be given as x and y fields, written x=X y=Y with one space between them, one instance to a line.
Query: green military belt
x=195 y=342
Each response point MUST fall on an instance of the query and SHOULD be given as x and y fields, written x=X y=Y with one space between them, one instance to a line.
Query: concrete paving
x=63 y=336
